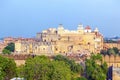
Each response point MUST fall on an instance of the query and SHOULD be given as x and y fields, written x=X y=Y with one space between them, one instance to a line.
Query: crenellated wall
x=112 y=60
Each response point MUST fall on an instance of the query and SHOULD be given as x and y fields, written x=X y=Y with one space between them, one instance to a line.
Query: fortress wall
x=112 y=60
x=111 y=45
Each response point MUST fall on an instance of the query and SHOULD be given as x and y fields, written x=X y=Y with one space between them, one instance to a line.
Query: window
x=56 y=49
x=45 y=40
x=43 y=48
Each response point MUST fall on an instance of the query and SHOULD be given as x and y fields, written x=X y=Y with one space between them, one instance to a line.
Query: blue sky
x=24 y=18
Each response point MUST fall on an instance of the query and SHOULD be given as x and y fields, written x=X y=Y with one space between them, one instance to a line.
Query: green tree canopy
x=41 y=68
x=9 y=48
x=60 y=71
x=5 y=51
x=7 y=68
x=95 y=70
x=20 y=71
x=77 y=68
x=116 y=50
x=103 y=52
x=37 y=68
x=80 y=78
x=110 y=51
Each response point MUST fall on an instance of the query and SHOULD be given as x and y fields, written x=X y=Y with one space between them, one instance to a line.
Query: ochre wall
x=112 y=60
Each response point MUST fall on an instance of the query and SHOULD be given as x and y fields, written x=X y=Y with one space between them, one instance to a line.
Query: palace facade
x=60 y=40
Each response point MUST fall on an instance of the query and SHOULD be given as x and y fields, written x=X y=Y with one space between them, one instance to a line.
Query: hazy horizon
x=24 y=18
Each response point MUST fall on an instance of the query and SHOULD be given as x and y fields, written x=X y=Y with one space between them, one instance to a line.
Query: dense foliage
x=41 y=68
x=5 y=51
x=110 y=51
x=20 y=71
x=60 y=71
x=80 y=78
x=7 y=68
x=95 y=69
x=9 y=48
x=76 y=68
x=59 y=68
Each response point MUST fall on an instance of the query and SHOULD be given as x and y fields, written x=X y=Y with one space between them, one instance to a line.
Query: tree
x=103 y=52
x=110 y=51
x=113 y=51
x=10 y=47
x=41 y=68
x=20 y=71
x=7 y=68
x=37 y=68
x=80 y=78
x=60 y=71
x=5 y=51
x=104 y=68
x=95 y=68
x=77 y=68
x=116 y=50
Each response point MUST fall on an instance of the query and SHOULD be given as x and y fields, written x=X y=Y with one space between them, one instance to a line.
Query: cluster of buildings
x=4 y=42
x=7 y=40
x=60 y=40
x=84 y=40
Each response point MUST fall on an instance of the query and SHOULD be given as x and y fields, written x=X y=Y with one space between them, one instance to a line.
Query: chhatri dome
x=60 y=27
x=96 y=30
x=87 y=28
x=80 y=27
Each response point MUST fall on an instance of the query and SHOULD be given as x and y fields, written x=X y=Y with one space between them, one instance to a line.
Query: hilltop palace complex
x=60 y=40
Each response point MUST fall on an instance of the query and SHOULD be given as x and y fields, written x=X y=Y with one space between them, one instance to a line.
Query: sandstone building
x=60 y=40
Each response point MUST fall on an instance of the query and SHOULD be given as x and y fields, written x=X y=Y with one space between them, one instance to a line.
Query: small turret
x=80 y=27
x=88 y=29
x=60 y=27
x=96 y=30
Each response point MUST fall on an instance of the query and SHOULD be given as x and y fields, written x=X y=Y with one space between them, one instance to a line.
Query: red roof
x=87 y=27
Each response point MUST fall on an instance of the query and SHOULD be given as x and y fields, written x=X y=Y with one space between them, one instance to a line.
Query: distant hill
x=112 y=39
x=1 y=38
